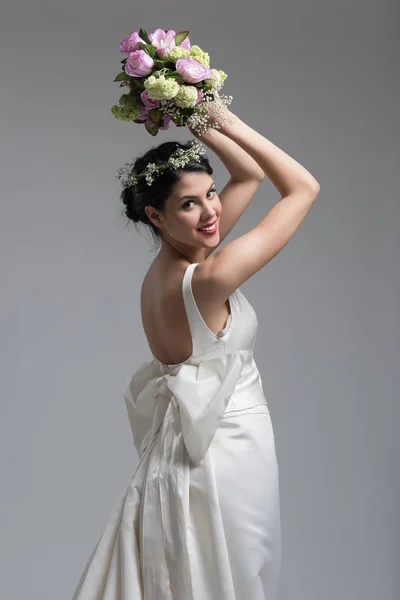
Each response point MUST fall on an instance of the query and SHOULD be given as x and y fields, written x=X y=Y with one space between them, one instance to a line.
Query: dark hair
x=138 y=196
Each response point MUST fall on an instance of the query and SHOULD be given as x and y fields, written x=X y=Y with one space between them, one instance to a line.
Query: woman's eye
x=189 y=201
x=185 y=205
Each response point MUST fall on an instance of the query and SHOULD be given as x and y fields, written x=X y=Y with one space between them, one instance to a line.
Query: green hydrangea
x=186 y=97
x=176 y=53
x=217 y=79
x=202 y=57
x=125 y=113
x=160 y=88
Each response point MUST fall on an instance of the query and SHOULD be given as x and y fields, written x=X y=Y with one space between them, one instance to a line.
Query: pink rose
x=191 y=70
x=164 y=122
x=165 y=119
x=149 y=102
x=129 y=44
x=139 y=64
x=200 y=96
x=185 y=43
x=143 y=115
x=162 y=40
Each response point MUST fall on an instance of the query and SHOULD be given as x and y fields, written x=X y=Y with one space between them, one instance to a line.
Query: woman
x=201 y=518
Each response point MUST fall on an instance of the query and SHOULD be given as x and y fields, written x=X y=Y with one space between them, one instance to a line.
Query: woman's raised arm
x=238 y=260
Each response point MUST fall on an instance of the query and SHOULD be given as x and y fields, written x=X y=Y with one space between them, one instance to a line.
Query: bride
x=200 y=518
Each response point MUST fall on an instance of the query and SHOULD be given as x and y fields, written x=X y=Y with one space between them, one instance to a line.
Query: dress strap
x=201 y=335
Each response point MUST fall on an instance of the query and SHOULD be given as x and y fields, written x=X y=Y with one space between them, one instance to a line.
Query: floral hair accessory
x=169 y=79
x=177 y=160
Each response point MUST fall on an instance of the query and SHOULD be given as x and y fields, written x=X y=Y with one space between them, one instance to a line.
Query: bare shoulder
x=162 y=282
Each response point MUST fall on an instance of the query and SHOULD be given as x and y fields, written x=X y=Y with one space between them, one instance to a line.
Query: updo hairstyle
x=136 y=197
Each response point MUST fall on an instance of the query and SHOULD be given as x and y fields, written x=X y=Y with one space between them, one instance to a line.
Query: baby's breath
x=177 y=160
x=200 y=121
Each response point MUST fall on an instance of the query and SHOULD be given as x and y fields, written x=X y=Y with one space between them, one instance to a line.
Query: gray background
x=320 y=81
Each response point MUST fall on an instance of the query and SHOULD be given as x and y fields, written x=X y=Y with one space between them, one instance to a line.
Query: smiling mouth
x=209 y=228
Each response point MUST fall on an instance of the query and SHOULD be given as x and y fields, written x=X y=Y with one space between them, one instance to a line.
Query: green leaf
x=180 y=37
x=136 y=85
x=127 y=100
x=160 y=64
x=155 y=114
x=152 y=130
x=122 y=77
x=151 y=51
x=144 y=36
x=173 y=75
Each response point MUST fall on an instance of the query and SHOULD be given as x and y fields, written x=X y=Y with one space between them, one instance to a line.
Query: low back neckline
x=220 y=335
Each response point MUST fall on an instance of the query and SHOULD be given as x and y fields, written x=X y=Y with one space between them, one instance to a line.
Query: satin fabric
x=200 y=519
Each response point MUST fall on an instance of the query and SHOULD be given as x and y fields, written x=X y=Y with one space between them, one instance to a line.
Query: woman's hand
x=216 y=111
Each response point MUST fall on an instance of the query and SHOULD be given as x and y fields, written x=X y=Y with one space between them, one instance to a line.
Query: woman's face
x=192 y=204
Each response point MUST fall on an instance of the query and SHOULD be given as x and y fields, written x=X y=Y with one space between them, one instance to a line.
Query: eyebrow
x=183 y=197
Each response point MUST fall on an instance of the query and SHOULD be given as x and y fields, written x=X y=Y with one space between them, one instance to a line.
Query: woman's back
x=163 y=309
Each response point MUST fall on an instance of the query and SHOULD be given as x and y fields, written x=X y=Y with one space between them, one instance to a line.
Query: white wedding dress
x=200 y=519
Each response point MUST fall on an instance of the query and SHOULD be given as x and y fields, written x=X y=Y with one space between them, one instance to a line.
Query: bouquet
x=169 y=80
